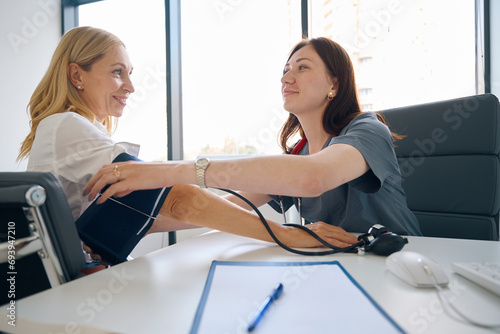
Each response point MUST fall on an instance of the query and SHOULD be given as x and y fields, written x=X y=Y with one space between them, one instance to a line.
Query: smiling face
x=107 y=85
x=306 y=83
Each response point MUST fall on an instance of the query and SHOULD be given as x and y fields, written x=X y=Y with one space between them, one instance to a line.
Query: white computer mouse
x=416 y=269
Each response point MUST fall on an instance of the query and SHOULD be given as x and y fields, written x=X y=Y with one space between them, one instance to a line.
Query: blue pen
x=271 y=298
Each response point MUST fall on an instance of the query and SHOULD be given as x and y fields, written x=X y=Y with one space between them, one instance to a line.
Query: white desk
x=159 y=293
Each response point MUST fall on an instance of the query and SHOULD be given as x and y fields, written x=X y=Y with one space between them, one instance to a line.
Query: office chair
x=449 y=160
x=40 y=247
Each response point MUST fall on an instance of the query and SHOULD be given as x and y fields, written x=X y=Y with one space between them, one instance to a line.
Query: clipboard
x=318 y=297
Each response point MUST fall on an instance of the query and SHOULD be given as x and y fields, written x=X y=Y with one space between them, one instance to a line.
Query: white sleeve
x=74 y=147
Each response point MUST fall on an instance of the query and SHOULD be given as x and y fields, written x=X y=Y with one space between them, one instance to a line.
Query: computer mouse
x=416 y=269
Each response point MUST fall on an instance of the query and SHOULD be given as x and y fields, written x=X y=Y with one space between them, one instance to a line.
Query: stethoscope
x=299 y=208
x=296 y=150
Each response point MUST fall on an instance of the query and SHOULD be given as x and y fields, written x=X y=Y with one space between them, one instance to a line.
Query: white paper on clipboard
x=318 y=297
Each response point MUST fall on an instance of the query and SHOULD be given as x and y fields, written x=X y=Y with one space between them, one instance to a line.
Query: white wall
x=29 y=33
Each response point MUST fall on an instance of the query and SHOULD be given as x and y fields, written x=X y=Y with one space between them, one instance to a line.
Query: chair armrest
x=27 y=195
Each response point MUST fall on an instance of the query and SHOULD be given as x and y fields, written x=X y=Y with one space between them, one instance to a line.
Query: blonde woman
x=72 y=113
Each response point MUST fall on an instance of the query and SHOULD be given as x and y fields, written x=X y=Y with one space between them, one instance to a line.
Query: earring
x=78 y=87
x=330 y=96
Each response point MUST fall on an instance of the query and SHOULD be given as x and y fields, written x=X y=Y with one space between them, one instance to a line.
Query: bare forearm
x=264 y=175
x=163 y=223
x=300 y=176
x=192 y=205
x=256 y=199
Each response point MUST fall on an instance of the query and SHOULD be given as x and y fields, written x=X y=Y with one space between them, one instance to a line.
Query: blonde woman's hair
x=55 y=93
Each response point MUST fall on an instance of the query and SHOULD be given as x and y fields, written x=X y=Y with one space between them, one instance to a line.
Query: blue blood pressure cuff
x=112 y=229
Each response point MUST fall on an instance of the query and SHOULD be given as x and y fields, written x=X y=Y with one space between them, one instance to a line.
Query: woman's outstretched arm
x=187 y=204
x=299 y=176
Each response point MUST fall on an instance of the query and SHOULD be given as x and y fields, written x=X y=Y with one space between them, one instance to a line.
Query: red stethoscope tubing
x=300 y=145
x=296 y=150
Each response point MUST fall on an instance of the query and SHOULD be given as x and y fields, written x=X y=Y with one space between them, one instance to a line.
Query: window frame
x=483 y=46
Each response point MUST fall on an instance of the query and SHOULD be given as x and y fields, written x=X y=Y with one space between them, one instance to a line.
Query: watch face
x=203 y=162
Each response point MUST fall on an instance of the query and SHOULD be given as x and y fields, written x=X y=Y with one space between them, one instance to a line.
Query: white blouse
x=71 y=147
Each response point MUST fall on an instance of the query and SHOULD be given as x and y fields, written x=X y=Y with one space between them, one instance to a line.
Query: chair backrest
x=449 y=160
x=39 y=241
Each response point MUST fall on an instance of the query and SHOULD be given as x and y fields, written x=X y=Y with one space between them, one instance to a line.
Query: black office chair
x=40 y=247
x=449 y=161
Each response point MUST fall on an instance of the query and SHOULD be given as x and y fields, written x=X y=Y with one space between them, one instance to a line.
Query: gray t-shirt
x=376 y=197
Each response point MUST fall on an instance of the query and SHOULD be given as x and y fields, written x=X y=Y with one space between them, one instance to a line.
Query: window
x=367 y=107
x=141 y=26
x=406 y=51
x=233 y=54
x=364 y=92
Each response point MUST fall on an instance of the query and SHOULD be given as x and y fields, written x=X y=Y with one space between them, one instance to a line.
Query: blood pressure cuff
x=112 y=229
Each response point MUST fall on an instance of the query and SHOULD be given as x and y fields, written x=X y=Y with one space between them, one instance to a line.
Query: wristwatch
x=201 y=166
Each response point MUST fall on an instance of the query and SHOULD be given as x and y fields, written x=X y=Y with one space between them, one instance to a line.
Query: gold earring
x=330 y=96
